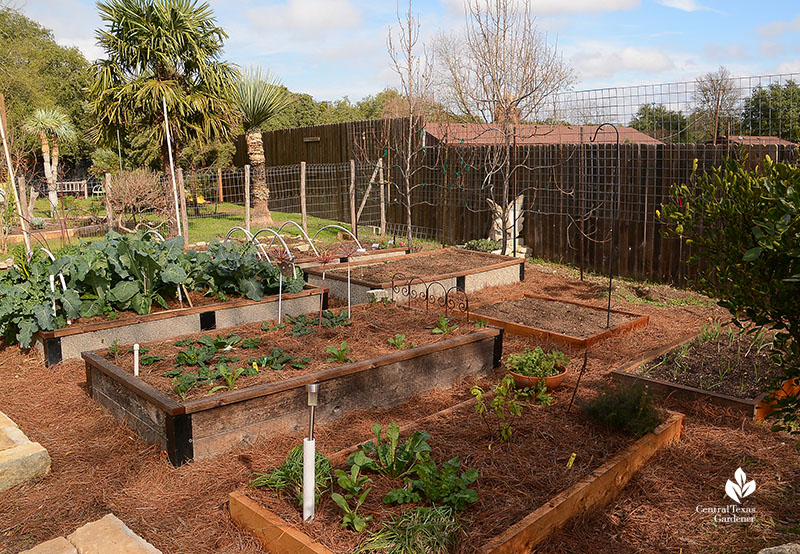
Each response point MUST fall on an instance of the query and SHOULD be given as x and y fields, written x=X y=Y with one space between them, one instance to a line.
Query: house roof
x=483 y=134
x=750 y=140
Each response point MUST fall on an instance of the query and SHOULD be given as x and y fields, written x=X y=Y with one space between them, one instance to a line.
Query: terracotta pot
x=523 y=381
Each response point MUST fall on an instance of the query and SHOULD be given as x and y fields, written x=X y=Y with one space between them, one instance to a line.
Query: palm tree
x=260 y=97
x=50 y=125
x=162 y=49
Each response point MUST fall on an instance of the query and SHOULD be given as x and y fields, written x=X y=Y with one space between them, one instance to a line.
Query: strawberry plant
x=220 y=343
x=251 y=343
x=339 y=354
x=268 y=326
x=277 y=359
x=150 y=360
x=193 y=356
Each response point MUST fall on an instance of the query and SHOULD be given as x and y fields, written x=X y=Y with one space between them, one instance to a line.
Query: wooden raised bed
x=637 y=322
x=204 y=427
x=501 y=270
x=590 y=493
x=70 y=342
x=758 y=408
x=307 y=261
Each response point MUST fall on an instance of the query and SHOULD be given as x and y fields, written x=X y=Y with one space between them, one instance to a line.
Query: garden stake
x=348 y=286
x=583 y=368
x=280 y=295
x=615 y=207
x=309 y=455
x=53 y=291
x=136 y=360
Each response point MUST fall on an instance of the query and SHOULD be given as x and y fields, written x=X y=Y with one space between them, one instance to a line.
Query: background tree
x=161 y=49
x=501 y=71
x=259 y=98
x=716 y=98
x=661 y=123
x=36 y=72
x=51 y=126
x=773 y=111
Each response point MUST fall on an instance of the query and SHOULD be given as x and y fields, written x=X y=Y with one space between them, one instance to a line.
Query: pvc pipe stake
x=309 y=485
x=136 y=360
x=280 y=297
x=348 y=287
x=53 y=290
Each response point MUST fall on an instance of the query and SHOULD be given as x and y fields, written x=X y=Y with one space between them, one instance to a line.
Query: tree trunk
x=255 y=152
x=52 y=193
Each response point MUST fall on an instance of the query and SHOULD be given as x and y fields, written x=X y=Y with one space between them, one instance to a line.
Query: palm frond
x=260 y=98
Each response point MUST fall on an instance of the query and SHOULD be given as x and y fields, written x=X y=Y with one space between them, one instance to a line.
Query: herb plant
x=537 y=363
x=433 y=530
x=628 y=408
x=389 y=457
x=289 y=476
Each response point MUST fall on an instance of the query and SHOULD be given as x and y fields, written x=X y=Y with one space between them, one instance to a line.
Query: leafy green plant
x=184 y=342
x=288 y=477
x=389 y=457
x=432 y=530
x=331 y=320
x=269 y=326
x=479 y=324
x=355 y=494
x=442 y=326
x=507 y=401
x=251 y=343
x=483 y=245
x=398 y=342
x=182 y=383
x=150 y=360
x=446 y=486
x=628 y=408
x=339 y=354
x=38 y=222
x=113 y=348
x=278 y=358
x=301 y=325
x=195 y=356
x=537 y=363
x=220 y=343
x=229 y=375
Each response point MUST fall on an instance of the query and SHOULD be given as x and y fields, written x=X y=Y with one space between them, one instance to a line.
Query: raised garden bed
x=563 y=322
x=203 y=424
x=70 y=342
x=694 y=368
x=465 y=270
x=53 y=233
x=307 y=259
x=525 y=490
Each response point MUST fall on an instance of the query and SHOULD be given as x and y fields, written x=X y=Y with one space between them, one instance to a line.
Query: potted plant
x=531 y=366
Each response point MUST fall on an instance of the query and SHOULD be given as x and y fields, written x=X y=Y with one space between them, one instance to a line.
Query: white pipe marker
x=136 y=360
x=309 y=486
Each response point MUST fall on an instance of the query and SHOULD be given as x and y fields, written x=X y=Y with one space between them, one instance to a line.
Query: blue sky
x=332 y=48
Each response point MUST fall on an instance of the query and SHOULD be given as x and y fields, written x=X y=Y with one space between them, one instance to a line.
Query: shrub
x=38 y=222
x=627 y=408
x=744 y=229
x=483 y=245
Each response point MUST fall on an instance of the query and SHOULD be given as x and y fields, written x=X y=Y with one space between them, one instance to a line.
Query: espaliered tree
x=156 y=50
x=260 y=98
x=744 y=227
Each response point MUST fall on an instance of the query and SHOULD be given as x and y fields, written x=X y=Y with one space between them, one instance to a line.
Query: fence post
x=23 y=197
x=303 y=207
x=85 y=189
x=383 y=200
x=184 y=222
x=107 y=201
x=220 y=198
x=353 y=221
x=247 y=197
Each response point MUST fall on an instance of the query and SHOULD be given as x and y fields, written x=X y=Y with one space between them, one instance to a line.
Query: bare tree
x=502 y=71
x=717 y=101
x=415 y=71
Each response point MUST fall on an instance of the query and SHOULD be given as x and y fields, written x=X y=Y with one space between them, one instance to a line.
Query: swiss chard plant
x=387 y=456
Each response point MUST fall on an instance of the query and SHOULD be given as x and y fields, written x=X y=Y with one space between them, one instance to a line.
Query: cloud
x=598 y=60
x=772 y=49
x=557 y=7
x=719 y=52
x=790 y=67
x=72 y=22
x=686 y=5
x=307 y=17
x=776 y=28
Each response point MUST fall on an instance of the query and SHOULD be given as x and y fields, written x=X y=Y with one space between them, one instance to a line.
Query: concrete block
x=58 y=545
x=108 y=535
x=22 y=463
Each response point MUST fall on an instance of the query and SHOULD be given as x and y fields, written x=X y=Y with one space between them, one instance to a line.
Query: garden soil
x=100 y=466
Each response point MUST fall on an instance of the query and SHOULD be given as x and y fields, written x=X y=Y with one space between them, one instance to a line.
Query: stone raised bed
x=69 y=342
x=595 y=490
x=204 y=427
x=636 y=321
x=493 y=270
x=757 y=408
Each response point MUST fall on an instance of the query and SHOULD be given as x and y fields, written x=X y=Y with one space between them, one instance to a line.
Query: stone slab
x=58 y=545
x=109 y=535
x=22 y=463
